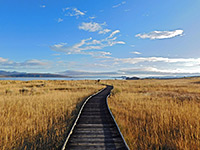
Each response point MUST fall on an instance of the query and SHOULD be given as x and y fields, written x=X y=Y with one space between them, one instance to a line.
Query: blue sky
x=120 y=37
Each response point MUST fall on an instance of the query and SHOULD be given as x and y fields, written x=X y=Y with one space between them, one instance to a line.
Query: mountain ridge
x=30 y=75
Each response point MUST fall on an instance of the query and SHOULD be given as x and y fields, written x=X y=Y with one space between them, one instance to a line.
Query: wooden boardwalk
x=95 y=127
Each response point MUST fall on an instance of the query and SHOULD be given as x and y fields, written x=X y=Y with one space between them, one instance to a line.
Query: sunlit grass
x=158 y=114
x=38 y=114
x=152 y=114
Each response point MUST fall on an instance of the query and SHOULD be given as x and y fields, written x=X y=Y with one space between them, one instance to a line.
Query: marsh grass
x=39 y=114
x=158 y=114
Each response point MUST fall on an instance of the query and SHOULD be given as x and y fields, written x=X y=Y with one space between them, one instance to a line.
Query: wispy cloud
x=89 y=44
x=60 y=45
x=194 y=61
x=42 y=6
x=91 y=26
x=94 y=27
x=135 y=52
x=78 y=12
x=73 y=12
x=66 y=9
x=33 y=63
x=113 y=33
x=155 y=66
x=153 y=71
x=122 y=3
x=160 y=34
x=134 y=71
x=104 y=31
x=99 y=54
x=60 y=20
x=92 y=17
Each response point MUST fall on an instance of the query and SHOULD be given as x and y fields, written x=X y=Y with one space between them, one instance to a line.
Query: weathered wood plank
x=95 y=128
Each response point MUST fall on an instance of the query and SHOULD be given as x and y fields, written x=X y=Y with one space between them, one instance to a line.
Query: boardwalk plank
x=95 y=128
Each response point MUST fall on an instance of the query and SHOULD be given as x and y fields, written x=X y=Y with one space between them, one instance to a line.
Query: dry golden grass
x=38 y=114
x=158 y=114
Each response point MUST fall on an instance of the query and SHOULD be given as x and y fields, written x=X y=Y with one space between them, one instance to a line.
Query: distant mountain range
x=78 y=74
x=65 y=74
x=14 y=74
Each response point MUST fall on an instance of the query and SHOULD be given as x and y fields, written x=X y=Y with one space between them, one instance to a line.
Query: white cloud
x=98 y=54
x=155 y=66
x=73 y=12
x=92 y=17
x=60 y=45
x=89 y=44
x=191 y=61
x=153 y=71
x=42 y=6
x=135 y=52
x=122 y=3
x=91 y=26
x=33 y=63
x=134 y=71
x=60 y=20
x=160 y=34
x=78 y=12
x=113 y=33
x=94 y=27
x=145 y=66
x=104 y=31
x=65 y=9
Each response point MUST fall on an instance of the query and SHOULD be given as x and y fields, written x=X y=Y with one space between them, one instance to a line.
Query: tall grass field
x=158 y=114
x=152 y=114
x=37 y=115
